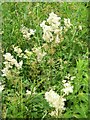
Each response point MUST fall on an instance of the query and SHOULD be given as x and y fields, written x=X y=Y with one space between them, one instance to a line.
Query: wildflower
x=27 y=32
x=45 y=46
x=45 y=27
x=58 y=31
x=13 y=62
x=52 y=28
x=42 y=24
x=64 y=81
x=7 y=64
x=32 y=32
x=1 y=87
x=54 y=113
x=68 y=76
x=5 y=72
x=65 y=62
x=39 y=53
x=8 y=57
x=67 y=88
x=17 y=50
x=19 y=65
x=36 y=50
x=80 y=27
x=73 y=77
x=48 y=36
x=67 y=22
x=40 y=56
x=28 y=53
x=55 y=100
x=53 y=20
x=28 y=92
x=57 y=40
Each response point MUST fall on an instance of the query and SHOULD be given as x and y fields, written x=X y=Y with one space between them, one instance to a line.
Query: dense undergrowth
x=45 y=60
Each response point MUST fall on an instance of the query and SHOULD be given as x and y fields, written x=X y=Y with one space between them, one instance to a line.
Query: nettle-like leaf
x=37 y=106
x=83 y=97
x=68 y=114
x=80 y=111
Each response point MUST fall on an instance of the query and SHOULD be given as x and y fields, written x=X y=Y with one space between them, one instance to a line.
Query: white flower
x=1 y=87
x=73 y=77
x=80 y=27
x=55 y=100
x=68 y=76
x=54 y=113
x=36 y=50
x=67 y=88
x=8 y=56
x=40 y=56
x=67 y=23
x=27 y=32
x=48 y=36
x=28 y=92
x=57 y=40
x=28 y=53
x=58 y=31
x=13 y=62
x=7 y=64
x=27 y=36
x=53 y=20
x=39 y=53
x=45 y=27
x=17 y=50
x=65 y=29
x=64 y=81
x=5 y=72
x=19 y=65
x=43 y=24
x=32 y=32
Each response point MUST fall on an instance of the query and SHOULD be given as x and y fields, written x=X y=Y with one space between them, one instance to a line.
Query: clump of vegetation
x=45 y=61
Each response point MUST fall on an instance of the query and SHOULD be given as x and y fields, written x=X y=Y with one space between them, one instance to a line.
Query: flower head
x=5 y=72
x=1 y=87
x=8 y=57
x=27 y=32
x=17 y=50
x=55 y=100
x=67 y=87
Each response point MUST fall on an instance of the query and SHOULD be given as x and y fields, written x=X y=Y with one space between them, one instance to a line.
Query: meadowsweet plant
x=44 y=75
x=1 y=87
x=55 y=101
x=27 y=32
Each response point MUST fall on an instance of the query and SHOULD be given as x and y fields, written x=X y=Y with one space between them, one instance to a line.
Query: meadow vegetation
x=45 y=60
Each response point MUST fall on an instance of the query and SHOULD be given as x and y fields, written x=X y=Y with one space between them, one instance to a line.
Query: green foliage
x=70 y=56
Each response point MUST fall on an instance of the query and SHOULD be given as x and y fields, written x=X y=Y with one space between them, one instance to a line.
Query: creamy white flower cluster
x=67 y=24
x=28 y=92
x=55 y=101
x=27 y=54
x=10 y=61
x=53 y=31
x=27 y=32
x=69 y=77
x=40 y=54
x=67 y=87
x=1 y=87
x=17 y=50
